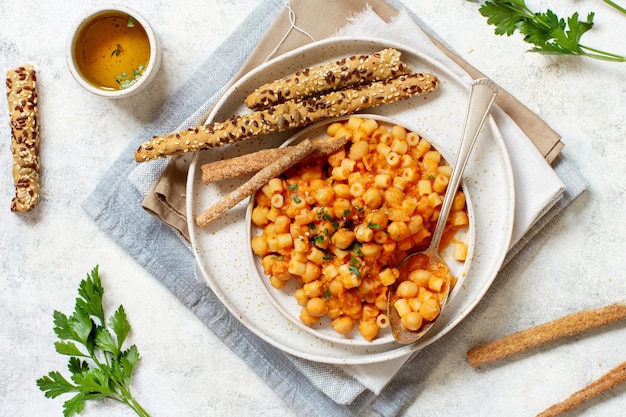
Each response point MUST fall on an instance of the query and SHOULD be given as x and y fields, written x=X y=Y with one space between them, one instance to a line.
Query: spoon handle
x=482 y=94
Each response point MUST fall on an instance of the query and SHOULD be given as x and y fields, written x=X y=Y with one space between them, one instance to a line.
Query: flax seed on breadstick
x=609 y=380
x=357 y=69
x=287 y=116
x=21 y=86
x=245 y=164
x=532 y=337
x=255 y=183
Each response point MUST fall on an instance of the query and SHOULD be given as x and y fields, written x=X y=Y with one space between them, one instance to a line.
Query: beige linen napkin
x=166 y=199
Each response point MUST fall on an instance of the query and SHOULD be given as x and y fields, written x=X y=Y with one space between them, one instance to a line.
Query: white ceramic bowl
x=220 y=248
x=154 y=61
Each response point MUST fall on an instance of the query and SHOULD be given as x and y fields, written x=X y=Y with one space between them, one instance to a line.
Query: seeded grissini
x=21 y=84
x=255 y=161
x=357 y=69
x=283 y=163
x=287 y=116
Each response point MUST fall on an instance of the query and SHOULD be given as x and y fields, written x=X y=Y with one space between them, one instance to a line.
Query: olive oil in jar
x=112 y=51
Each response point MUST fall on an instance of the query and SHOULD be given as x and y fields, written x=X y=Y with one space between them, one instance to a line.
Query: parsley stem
x=603 y=55
x=132 y=403
x=617 y=6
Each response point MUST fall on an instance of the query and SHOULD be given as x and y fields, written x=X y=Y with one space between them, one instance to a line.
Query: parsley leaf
x=355 y=270
x=317 y=240
x=107 y=370
x=355 y=247
x=548 y=33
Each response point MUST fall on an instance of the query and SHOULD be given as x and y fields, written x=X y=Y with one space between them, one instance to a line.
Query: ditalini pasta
x=339 y=225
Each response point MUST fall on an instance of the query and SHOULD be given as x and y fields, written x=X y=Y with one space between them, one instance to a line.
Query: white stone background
x=186 y=370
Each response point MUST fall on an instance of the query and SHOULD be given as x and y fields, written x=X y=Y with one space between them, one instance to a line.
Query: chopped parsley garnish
x=356 y=249
x=355 y=270
x=125 y=81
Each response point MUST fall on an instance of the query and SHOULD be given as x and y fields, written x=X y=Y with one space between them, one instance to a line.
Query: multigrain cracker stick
x=245 y=164
x=287 y=116
x=532 y=337
x=610 y=380
x=22 y=99
x=357 y=69
x=255 y=183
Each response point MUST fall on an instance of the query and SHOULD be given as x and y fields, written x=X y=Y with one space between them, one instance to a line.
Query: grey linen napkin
x=115 y=206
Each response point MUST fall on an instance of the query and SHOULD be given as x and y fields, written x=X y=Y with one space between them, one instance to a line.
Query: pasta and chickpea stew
x=340 y=225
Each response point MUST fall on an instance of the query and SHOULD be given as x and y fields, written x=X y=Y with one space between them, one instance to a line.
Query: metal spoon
x=482 y=94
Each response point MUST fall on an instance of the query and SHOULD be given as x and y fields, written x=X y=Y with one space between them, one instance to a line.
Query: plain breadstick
x=610 y=380
x=566 y=326
x=255 y=183
x=245 y=164
x=357 y=69
x=287 y=116
x=21 y=84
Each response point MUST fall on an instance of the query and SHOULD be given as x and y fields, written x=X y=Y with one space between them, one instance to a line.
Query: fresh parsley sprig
x=99 y=367
x=549 y=33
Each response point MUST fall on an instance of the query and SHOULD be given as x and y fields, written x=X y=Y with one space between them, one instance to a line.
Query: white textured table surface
x=186 y=371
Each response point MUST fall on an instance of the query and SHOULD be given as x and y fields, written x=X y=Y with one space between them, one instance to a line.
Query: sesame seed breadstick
x=255 y=183
x=532 y=337
x=287 y=116
x=22 y=98
x=609 y=380
x=244 y=164
x=357 y=69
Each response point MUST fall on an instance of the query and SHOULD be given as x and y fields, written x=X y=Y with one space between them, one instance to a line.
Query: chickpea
x=343 y=238
x=316 y=307
x=394 y=196
x=369 y=329
x=429 y=309
x=407 y=289
x=308 y=319
x=343 y=324
x=398 y=231
x=412 y=321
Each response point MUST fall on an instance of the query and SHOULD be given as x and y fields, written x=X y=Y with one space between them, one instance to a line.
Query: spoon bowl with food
x=410 y=314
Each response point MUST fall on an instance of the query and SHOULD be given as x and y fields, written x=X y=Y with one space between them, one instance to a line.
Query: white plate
x=284 y=300
x=221 y=248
